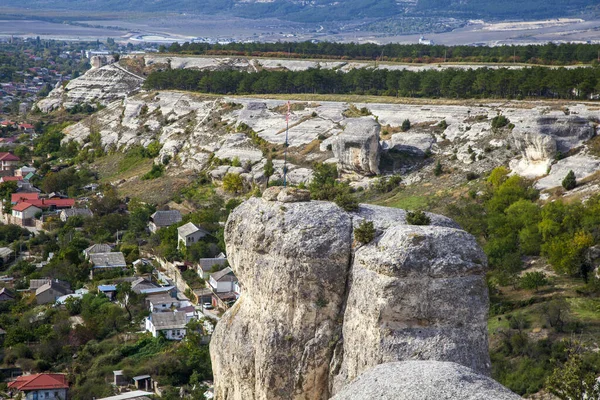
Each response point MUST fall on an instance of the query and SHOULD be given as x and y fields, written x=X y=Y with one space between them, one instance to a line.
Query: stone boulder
x=316 y=311
x=412 y=143
x=403 y=301
x=568 y=132
x=357 y=147
x=424 y=380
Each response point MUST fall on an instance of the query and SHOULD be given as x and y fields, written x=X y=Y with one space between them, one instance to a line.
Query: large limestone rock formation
x=424 y=380
x=102 y=85
x=417 y=293
x=277 y=340
x=318 y=309
x=539 y=144
x=357 y=147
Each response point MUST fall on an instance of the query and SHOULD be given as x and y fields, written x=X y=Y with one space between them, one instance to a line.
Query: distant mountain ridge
x=328 y=10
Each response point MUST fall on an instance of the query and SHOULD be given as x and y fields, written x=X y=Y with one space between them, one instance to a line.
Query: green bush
x=533 y=280
x=438 y=170
x=499 y=121
x=417 y=218
x=156 y=172
x=569 y=182
x=405 y=125
x=365 y=232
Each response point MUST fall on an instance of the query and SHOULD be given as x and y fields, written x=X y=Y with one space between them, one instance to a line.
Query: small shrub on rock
x=417 y=218
x=365 y=232
x=499 y=121
x=405 y=125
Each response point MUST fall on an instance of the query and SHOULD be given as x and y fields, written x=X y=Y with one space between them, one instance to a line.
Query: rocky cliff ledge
x=318 y=309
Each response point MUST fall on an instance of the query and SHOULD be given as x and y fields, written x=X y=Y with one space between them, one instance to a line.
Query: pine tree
x=570 y=181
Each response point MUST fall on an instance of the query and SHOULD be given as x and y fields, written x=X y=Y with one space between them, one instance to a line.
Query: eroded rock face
x=102 y=85
x=540 y=143
x=357 y=147
x=417 y=292
x=318 y=309
x=424 y=380
x=277 y=340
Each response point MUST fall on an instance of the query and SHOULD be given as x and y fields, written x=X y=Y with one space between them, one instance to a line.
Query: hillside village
x=167 y=298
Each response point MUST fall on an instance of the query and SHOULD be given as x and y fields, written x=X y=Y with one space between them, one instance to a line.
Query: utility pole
x=287 y=126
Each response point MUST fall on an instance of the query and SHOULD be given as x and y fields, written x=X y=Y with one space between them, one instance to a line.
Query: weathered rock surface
x=537 y=152
x=357 y=147
x=101 y=85
x=315 y=312
x=403 y=301
x=413 y=143
x=424 y=380
x=540 y=142
x=277 y=340
x=582 y=166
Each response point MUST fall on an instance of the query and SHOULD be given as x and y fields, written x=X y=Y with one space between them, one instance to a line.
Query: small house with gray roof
x=108 y=260
x=97 y=248
x=163 y=219
x=49 y=292
x=189 y=234
x=171 y=324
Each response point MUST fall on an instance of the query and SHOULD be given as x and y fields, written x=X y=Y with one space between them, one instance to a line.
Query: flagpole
x=287 y=126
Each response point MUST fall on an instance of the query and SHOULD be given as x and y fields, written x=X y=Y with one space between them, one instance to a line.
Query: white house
x=41 y=386
x=189 y=234
x=25 y=211
x=223 y=281
x=171 y=324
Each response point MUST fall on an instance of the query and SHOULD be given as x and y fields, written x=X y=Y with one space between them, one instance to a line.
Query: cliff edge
x=318 y=309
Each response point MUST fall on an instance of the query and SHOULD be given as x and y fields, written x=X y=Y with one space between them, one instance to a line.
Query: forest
x=535 y=82
x=548 y=54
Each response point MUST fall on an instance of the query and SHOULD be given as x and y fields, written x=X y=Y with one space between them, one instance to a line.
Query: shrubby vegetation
x=512 y=226
x=325 y=186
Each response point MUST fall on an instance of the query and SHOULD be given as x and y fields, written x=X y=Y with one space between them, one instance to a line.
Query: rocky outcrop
x=98 y=85
x=424 y=380
x=537 y=152
x=412 y=143
x=318 y=309
x=277 y=340
x=403 y=301
x=540 y=142
x=582 y=166
x=568 y=132
x=357 y=147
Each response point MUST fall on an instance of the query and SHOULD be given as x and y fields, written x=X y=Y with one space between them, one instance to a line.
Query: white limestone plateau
x=193 y=128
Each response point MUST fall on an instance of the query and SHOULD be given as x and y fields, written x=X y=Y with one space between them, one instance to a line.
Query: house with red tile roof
x=11 y=179
x=52 y=203
x=25 y=212
x=42 y=386
x=8 y=161
x=18 y=197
